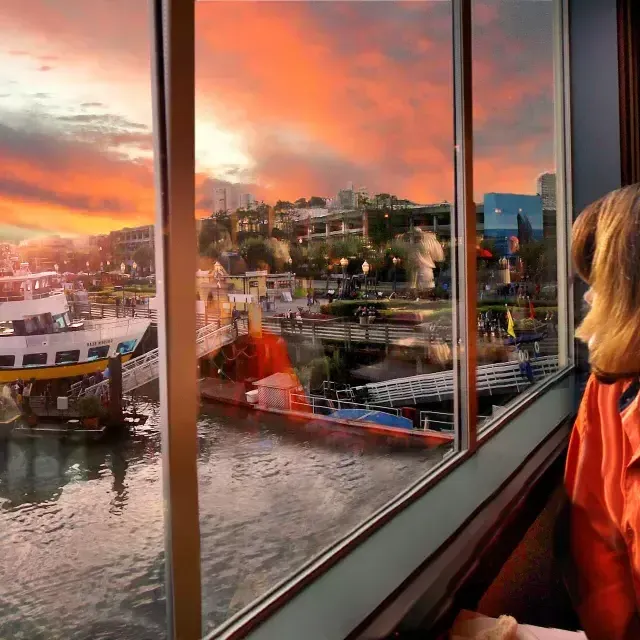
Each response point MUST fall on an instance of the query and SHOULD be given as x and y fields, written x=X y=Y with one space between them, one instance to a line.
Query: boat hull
x=52 y=372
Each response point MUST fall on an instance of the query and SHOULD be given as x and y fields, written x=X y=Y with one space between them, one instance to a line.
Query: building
x=546 y=189
x=508 y=215
x=125 y=242
x=246 y=201
x=223 y=199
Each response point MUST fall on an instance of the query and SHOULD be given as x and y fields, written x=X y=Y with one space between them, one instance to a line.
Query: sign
x=97 y=343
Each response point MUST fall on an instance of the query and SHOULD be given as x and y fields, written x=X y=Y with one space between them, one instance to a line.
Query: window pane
x=34 y=359
x=81 y=504
x=515 y=143
x=324 y=145
x=63 y=357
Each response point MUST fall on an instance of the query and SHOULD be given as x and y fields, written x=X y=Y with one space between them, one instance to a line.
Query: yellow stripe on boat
x=56 y=371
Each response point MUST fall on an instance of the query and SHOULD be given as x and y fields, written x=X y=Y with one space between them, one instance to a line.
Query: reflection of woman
x=602 y=475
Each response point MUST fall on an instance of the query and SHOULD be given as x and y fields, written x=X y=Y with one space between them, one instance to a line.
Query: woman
x=603 y=465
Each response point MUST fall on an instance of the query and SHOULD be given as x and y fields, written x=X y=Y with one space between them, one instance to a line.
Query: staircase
x=138 y=371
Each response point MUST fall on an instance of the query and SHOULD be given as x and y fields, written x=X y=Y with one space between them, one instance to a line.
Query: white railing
x=325 y=406
x=381 y=333
x=98 y=310
x=145 y=368
x=491 y=378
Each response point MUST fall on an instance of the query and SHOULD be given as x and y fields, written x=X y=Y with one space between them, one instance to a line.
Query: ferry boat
x=39 y=338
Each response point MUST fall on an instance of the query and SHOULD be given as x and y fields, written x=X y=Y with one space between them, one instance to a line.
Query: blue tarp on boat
x=379 y=417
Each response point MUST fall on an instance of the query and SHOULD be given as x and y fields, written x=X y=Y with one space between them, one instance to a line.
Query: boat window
x=67 y=357
x=95 y=353
x=59 y=321
x=7 y=361
x=34 y=359
x=20 y=327
x=126 y=347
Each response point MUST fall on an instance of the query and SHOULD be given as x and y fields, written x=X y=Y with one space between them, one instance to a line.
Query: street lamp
x=365 y=270
x=395 y=272
x=343 y=263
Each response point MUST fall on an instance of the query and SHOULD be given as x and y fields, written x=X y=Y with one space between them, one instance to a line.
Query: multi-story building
x=125 y=242
x=546 y=189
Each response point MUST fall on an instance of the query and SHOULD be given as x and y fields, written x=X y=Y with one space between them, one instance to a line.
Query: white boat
x=40 y=339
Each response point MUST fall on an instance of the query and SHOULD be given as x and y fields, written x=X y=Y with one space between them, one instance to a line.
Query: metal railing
x=145 y=368
x=98 y=310
x=491 y=378
x=325 y=406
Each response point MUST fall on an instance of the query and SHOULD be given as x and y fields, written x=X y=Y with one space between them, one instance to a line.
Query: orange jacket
x=603 y=484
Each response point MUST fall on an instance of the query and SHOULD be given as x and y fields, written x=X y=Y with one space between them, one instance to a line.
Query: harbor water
x=81 y=525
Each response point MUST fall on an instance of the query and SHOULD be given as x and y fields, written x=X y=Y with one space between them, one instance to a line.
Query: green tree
x=144 y=258
x=257 y=253
x=301 y=203
x=317 y=201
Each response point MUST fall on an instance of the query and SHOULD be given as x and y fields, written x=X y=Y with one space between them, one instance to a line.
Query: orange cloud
x=318 y=93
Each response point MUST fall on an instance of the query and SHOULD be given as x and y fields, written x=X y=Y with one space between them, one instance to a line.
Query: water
x=81 y=526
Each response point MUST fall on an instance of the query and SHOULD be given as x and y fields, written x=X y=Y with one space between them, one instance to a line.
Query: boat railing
x=325 y=406
x=30 y=295
x=109 y=332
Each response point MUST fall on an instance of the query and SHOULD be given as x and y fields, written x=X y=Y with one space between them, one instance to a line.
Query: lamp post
x=123 y=268
x=343 y=263
x=365 y=270
x=395 y=272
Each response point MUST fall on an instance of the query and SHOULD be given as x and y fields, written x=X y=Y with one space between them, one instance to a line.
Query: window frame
x=39 y=364
x=173 y=60
x=76 y=353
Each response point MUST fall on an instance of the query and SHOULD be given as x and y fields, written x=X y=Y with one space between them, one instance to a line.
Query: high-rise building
x=247 y=200
x=222 y=197
x=546 y=189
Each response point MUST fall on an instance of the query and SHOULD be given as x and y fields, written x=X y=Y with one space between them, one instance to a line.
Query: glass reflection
x=515 y=179
x=324 y=220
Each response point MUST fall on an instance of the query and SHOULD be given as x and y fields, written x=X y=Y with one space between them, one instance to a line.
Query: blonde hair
x=606 y=255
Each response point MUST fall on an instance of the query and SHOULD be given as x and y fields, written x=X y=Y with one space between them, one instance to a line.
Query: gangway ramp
x=145 y=368
x=501 y=377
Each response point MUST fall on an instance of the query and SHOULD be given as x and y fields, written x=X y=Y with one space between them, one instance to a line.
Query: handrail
x=144 y=368
x=321 y=402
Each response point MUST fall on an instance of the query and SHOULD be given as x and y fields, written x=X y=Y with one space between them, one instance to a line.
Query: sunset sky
x=293 y=99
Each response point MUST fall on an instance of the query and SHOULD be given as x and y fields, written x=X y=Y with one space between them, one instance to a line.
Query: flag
x=510 y=325
x=532 y=311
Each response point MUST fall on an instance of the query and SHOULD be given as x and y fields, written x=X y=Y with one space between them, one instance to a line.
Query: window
x=67 y=357
x=34 y=359
x=518 y=187
x=344 y=162
x=96 y=353
x=59 y=321
x=345 y=183
x=7 y=361
x=126 y=347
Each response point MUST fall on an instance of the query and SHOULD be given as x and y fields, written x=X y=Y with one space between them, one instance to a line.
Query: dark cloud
x=42 y=96
x=28 y=191
x=45 y=67
x=92 y=105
